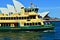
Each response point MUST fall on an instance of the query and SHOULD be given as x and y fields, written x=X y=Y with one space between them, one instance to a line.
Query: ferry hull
x=27 y=28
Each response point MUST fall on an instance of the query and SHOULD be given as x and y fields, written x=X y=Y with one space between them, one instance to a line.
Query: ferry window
x=16 y=17
x=24 y=17
x=32 y=23
x=44 y=22
x=1 y=24
x=46 y=19
x=32 y=17
x=36 y=9
x=2 y=18
x=8 y=18
x=24 y=24
x=39 y=16
x=47 y=23
x=22 y=7
x=32 y=9
x=39 y=23
x=19 y=17
x=27 y=23
x=27 y=17
x=26 y=10
x=29 y=10
x=11 y=18
x=28 y=20
x=18 y=14
x=5 y=18
x=35 y=23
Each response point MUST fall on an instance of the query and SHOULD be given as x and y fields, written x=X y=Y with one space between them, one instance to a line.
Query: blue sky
x=44 y=5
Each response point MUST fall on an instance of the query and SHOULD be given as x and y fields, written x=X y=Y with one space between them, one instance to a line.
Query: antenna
x=32 y=5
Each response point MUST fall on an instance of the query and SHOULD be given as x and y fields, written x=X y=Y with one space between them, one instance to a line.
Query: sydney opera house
x=17 y=7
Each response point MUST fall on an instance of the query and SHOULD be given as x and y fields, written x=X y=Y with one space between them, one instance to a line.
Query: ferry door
x=16 y=24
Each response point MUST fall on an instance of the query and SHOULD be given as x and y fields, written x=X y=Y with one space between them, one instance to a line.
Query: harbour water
x=32 y=35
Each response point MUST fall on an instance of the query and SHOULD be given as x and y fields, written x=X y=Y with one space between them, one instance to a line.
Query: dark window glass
x=7 y=18
x=11 y=18
x=24 y=17
x=47 y=23
x=30 y=23
x=36 y=9
x=39 y=23
x=35 y=23
x=46 y=19
x=1 y=18
x=32 y=17
x=19 y=17
x=4 y=18
x=27 y=23
x=27 y=17
x=39 y=16
x=32 y=10
x=24 y=24
x=16 y=17
x=28 y=20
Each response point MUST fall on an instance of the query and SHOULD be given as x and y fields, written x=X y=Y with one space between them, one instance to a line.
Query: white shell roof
x=4 y=10
x=43 y=14
x=16 y=8
x=11 y=8
x=17 y=5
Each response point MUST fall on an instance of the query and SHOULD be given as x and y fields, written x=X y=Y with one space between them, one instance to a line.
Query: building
x=16 y=8
x=4 y=10
x=11 y=8
x=45 y=16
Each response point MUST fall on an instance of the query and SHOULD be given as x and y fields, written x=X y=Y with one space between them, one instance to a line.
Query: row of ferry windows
x=25 y=24
x=14 y=18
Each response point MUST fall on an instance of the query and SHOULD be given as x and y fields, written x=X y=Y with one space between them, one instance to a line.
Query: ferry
x=27 y=20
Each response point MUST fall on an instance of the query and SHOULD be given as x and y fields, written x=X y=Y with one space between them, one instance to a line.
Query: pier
x=56 y=20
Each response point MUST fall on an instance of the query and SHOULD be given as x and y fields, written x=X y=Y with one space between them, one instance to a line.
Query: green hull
x=28 y=28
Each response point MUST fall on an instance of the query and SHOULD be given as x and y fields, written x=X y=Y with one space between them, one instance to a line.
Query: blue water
x=32 y=35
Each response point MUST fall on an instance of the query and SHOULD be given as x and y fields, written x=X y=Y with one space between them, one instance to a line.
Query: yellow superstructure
x=23 y=17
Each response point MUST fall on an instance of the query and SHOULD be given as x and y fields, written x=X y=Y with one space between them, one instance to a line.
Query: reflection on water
x=25 y=35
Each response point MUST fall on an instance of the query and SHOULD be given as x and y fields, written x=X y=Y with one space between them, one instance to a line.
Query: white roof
x=43 y=14
x=11 y=8
x=4 y=10
x=17 y=5
x=16 y=8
